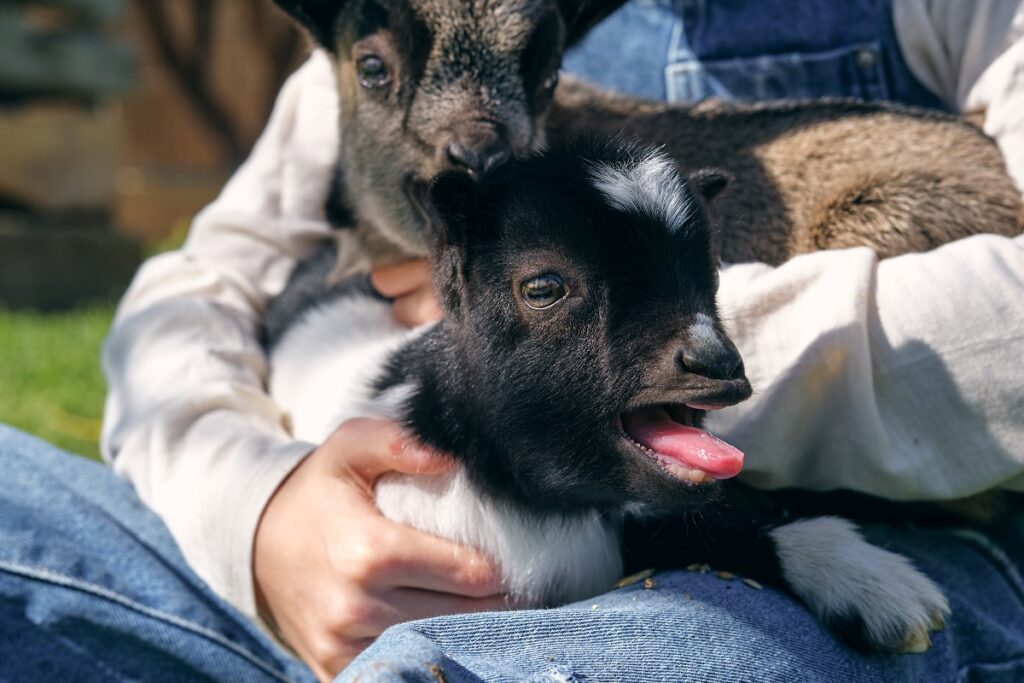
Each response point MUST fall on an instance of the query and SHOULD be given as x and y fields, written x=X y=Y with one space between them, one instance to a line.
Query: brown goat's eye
x=543 y=291
x=372 y=71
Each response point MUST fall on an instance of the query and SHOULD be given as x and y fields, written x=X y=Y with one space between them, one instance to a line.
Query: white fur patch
x=322 y=371
x=545 y=560
x=703 y=331
x=650 y=186
x=830 y=566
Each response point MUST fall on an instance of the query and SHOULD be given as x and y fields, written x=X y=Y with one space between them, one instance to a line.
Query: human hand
x=332 y=573
x=410 y=285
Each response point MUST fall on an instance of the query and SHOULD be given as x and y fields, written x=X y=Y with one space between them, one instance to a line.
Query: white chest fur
x=321 y=374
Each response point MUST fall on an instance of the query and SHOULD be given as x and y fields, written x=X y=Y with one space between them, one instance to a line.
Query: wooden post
x=59 y=153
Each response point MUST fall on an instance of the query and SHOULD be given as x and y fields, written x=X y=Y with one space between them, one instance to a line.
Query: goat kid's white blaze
x=649 y=186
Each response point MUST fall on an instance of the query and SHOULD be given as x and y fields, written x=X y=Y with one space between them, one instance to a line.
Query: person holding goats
x=899 y=371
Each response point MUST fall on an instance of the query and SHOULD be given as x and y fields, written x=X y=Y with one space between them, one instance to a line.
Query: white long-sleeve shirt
x=900 y=378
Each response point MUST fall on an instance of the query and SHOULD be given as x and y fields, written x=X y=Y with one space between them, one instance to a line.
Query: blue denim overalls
x=750 y=50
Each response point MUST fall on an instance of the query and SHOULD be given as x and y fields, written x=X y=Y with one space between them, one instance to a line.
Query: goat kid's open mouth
x=666 y=434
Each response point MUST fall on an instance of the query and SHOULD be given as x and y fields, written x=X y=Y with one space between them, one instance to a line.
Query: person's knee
x=680 y=626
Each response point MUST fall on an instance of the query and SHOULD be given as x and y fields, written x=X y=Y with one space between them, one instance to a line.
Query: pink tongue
x=690 y=446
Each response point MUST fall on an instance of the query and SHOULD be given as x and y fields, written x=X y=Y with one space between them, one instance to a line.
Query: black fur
x=517 y=375
x=732 y=536
x=319 y=17
x=338 y=208
x=499 y=384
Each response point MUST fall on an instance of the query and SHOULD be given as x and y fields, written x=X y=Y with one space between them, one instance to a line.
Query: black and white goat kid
x=581 y=346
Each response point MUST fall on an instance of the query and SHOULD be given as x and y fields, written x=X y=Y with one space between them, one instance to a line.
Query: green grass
x=51 y=384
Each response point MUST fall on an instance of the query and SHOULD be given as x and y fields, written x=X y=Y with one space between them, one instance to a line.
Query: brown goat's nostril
x=461 y=156
x=477 y=150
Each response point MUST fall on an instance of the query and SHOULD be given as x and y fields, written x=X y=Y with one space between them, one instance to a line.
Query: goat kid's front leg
x=875 y=600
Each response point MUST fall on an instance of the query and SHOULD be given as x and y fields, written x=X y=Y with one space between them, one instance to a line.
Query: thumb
x=371 y=448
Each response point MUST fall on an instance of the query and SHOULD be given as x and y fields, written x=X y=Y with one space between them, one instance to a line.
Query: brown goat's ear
x=710 y=182
x=582 y=15
x=319 y=17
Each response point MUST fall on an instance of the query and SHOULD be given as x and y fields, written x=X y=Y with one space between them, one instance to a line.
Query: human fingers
x=372 y=447
x=418 y=308
x=332 y=654
x=399 y=605
x=392 y=555
x=400 y=279
x=356 y=623
x=423 y=604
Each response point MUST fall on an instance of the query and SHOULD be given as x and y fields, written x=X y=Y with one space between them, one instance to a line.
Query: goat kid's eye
x=543 y=291
x=372 y=71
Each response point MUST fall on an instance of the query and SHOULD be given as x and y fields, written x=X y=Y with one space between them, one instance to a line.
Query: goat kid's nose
x=711 y=358
x=478 y=151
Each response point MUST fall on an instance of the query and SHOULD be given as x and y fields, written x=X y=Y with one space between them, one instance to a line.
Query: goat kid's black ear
x=319 y=17
x=710 y=182
x=582 y=15
x=453 y=204
x=452 y=209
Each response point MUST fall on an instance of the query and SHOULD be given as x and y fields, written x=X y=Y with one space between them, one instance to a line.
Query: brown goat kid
x=433 y=85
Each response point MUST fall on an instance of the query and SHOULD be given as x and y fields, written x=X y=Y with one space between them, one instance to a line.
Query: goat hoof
x=917 y=641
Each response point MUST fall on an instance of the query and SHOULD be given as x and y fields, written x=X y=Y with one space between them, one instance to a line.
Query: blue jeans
x=93 y=588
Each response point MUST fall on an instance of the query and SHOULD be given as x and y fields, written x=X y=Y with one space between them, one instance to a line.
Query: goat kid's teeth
x=675 y=469
x=685 y=473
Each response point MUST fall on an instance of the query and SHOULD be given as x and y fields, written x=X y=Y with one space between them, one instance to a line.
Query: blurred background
x=119 y=120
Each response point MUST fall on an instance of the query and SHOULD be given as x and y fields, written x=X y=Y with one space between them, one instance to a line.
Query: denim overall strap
x=747 y=50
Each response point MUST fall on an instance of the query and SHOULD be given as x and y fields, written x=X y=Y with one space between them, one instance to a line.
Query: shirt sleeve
x=900 y=378
x=971 y=55
x=188 y=420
